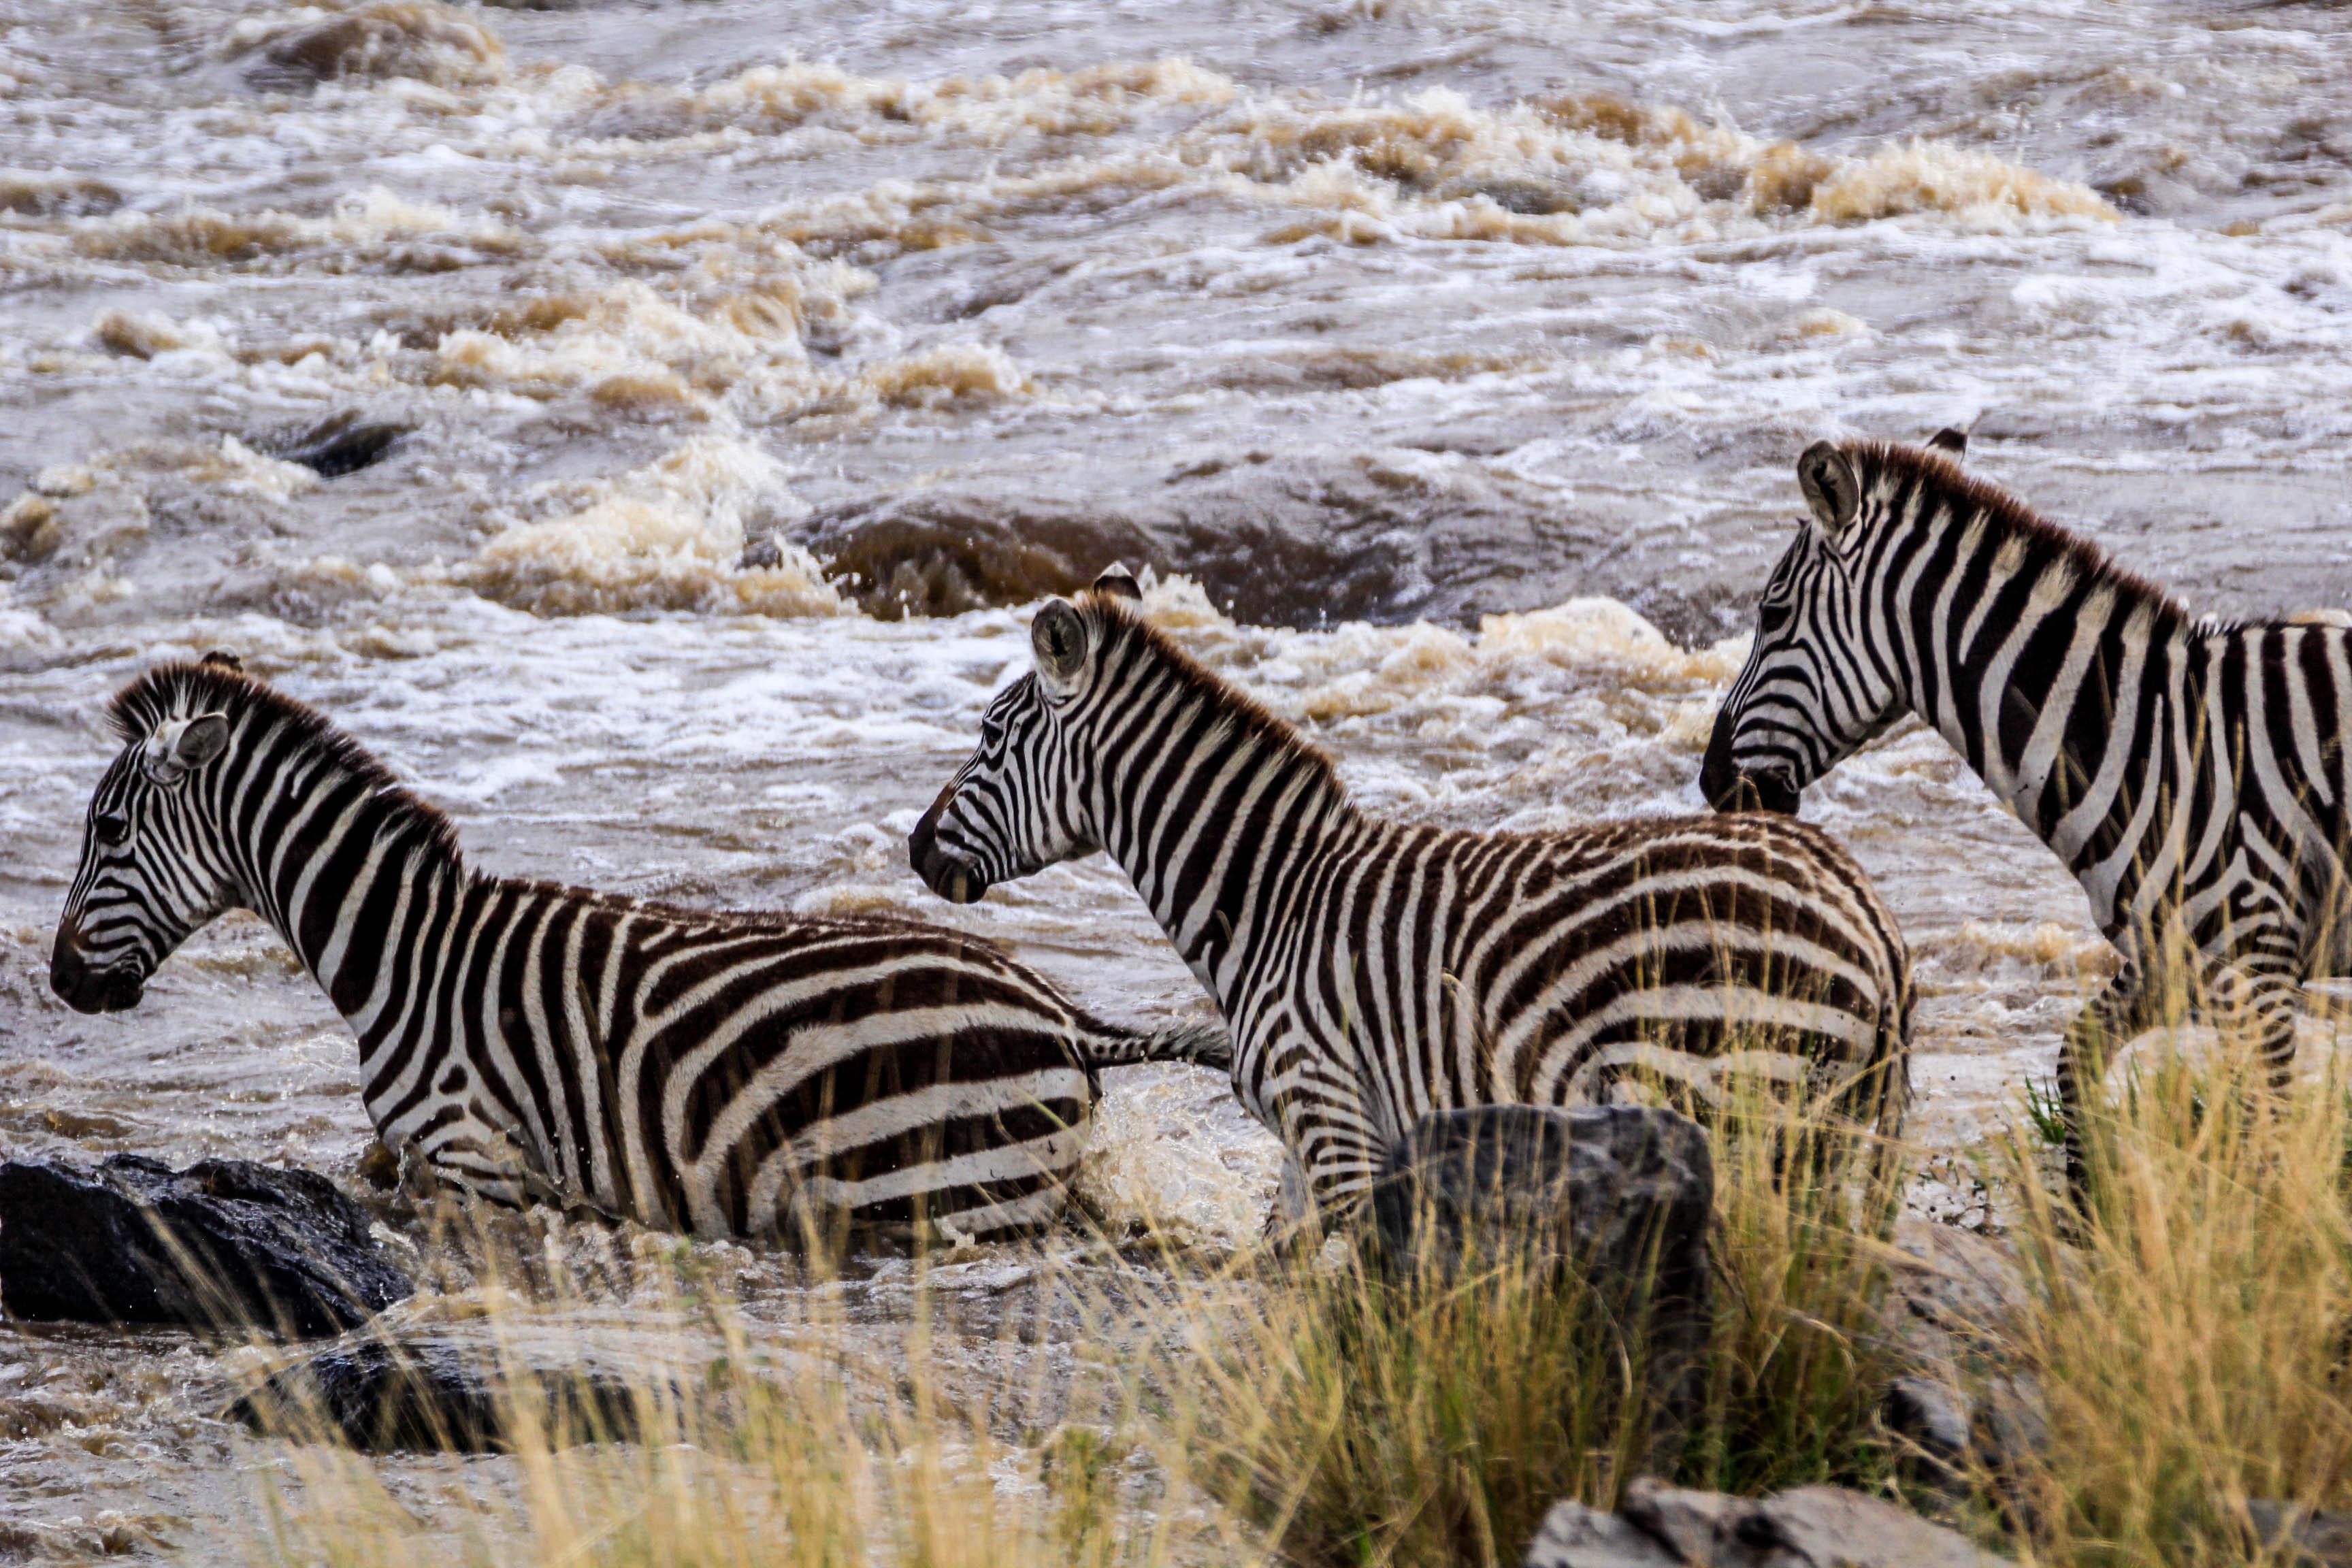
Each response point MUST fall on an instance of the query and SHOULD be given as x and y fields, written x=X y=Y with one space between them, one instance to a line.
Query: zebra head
x=150 y=873
x=1815 y=686
x=1015 y=807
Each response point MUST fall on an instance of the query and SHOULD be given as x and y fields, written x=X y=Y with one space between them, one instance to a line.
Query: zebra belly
x=968 y=1132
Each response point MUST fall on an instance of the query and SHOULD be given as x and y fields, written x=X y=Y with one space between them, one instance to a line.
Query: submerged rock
x=1621 y=1194
x=225 y=1244
x=341 y=443
x=1810 y=1527
x=383 y=1398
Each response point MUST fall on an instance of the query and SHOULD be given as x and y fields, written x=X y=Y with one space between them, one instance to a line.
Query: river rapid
x=749 y=370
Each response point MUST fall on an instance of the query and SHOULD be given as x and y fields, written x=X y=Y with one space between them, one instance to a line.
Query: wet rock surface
x=1622 y=1194
x=428 y=1396
x=224 y=1244
x=2301 y=1539
x=342 y=443
x=1810 y=1527
x=1273 y=537
x=1612 y=1186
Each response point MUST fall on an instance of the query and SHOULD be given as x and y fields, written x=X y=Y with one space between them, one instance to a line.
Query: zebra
x=1373 y=971
x=759 y=1075
x=2190 y=772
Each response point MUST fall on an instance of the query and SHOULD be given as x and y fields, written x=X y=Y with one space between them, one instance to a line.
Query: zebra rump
x=736 y=1074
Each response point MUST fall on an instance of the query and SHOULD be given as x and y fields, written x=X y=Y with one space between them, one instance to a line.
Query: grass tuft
x=2188 y=1333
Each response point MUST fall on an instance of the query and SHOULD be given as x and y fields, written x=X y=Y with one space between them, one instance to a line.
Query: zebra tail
x=1206 y=1045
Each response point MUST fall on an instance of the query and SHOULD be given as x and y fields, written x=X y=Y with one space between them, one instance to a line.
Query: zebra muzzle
x=113 y=989
x=1726 y=788
x=951 y=877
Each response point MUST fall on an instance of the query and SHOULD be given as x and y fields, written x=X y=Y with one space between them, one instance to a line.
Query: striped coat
x=1375 y=971
x=2191 y=773
x=729 y=1074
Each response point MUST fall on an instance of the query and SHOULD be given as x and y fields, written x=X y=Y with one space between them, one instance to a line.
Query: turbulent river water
x=755 y=363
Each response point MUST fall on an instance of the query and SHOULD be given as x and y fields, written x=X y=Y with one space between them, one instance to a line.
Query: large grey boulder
x=1623 y=1192
x=1620 y=1194
x=1810 y=1527
x=225 y=1244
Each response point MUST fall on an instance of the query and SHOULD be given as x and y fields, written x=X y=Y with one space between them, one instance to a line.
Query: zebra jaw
x=956 y=884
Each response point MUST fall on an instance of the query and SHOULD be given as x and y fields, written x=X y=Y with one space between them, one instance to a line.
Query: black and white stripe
x=2191 y=773
x=1375 y=971
x=729 y=1074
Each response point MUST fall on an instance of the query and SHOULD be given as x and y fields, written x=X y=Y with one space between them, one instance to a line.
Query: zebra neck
x=2038 y=679
x=1215 y=836
x=350 y=872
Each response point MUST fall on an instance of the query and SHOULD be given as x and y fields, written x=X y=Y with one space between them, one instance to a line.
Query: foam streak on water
x=760 y=365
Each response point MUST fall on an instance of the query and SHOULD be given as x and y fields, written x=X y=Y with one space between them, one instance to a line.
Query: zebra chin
x=1755 y=792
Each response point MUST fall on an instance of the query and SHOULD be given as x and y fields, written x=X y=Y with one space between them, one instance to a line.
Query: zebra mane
x=1965 y=494
x=1238 y=707
x=182 y=690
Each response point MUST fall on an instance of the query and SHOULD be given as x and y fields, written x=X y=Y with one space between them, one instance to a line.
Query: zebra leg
x=1334 y=1184
x=2260 y=1000
x=2115 y=1013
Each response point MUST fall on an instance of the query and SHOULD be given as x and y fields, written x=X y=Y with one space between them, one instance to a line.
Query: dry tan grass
x=2189 y=1339
x=2189 y=1335
x=1261 y=1411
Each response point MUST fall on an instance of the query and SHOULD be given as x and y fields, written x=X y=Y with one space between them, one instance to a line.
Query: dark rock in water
x=340 y=444
x=2294 y=1538
x=385 y=1398
x=378 y=40
x=225 y=1244
x=1812 y=1527
x=1622 y=1194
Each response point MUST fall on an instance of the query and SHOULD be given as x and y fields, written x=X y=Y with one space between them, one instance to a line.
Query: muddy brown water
x=756 y=364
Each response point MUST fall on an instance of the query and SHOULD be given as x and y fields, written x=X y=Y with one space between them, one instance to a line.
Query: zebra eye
x=112 y=827
x=1772 y=617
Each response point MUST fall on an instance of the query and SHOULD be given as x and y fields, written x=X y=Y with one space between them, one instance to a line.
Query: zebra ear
x=1949 y=439
x=1830 y=487
x=1058 y=637
x=177 y=748
x=1117 y=581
